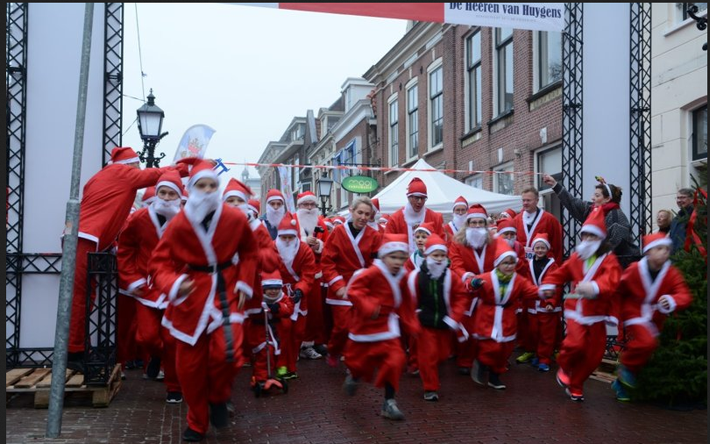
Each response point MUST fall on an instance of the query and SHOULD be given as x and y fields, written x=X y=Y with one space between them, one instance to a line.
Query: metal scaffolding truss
x=113 y=72
x=640 y=215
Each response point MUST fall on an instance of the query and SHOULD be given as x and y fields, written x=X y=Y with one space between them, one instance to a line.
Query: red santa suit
x=495 y=325
x=405 y=220
x=343 y=255
x=381 y=303
x=297 y=271
x=540 y=222
x=105 y=204
x=135 y=247
x=642 y=315
x=206 y=322
x=439 y=312
x=457 y=222
x=586 y=316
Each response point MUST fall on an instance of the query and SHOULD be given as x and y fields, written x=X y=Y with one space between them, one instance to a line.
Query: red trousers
x=465 y=351
x=526 y=331
x=639 y=348
x=582 y=351
x=433 y=348
x=341 y=327
x=387 y=357
x=255 y=339
x=77 y=326
x=315 y=328
x=291 y=341
x=205 y=375
x=495 y=354
x=157 y=341
x=543 y=329
x=126 y=329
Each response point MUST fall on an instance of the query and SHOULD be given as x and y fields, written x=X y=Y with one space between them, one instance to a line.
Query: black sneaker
x=153 y=368
x=174 y=398
x=191 y=435
x=75 y=361
x=219 y=415
x=464 y=371
x=321 y=348
x=494 y=381
x=350 y=385
x=431 y=396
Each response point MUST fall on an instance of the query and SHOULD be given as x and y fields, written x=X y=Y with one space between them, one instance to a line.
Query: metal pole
x=66 y=285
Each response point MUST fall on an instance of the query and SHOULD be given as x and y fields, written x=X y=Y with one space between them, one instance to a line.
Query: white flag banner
x=285 y=178
x=194 y=142
x=533 y=16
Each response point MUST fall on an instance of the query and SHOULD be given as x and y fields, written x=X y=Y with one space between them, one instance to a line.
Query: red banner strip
x=429 y=12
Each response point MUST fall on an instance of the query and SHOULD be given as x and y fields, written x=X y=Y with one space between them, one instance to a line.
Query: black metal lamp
x=150 y=124
x=325 y=185
x=700 y=22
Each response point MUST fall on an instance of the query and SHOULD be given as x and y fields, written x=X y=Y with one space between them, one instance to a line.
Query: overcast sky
x=245 y=71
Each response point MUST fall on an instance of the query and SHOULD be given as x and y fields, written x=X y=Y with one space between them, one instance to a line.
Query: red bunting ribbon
x=690 y=234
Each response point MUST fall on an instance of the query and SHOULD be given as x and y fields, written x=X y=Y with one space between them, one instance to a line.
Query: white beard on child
x=166 y=208
x=274 y=216
x=586 y=249
x=436 y=269
x=200 y=204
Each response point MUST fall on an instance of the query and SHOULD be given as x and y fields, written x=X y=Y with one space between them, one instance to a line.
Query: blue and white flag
x=285 y=179
x=194 y=142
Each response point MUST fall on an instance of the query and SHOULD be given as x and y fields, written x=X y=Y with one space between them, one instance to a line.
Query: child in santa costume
x=440 y=300
x=135 y=247
x=275 y=211
x=421 y=234
x=458 y=221
x=350 y=247
x=414 y=213
x=594 y=273
x=507 y=214
x=495 y=324
x=194 y=265
x=650 y=290
x=381 y=303
x=297 y=269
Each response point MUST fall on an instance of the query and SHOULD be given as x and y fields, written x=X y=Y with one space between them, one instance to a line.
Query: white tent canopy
x=442 y=191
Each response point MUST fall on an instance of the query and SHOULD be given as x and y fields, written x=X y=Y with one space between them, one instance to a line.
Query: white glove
x=586 y=290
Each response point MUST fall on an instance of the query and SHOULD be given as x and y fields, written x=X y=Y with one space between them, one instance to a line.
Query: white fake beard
x=436 y=269
x=287 y=251
x=245 y=209
x=412 y=217
x=459 y=220
x=200 y=204
x=274 y=216
x=308 y=219
x=511 y=242
x=586 y=249
x=166 y=208
x=476 y=237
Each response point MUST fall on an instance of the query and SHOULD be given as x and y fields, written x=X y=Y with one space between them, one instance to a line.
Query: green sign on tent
x=359 y=184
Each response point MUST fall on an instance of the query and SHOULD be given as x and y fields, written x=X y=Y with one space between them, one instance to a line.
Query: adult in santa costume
x=507 y=214
x=314 y=233
x=106 y=201
x=148 y=196
x=381 y=303
x=350 y=247
x=472 y=253
x=374 y=219
x=458 y=220
x=135 y=247
x=533 y=220
x=337 y=220
x=440 y=300
x=275 y=211
x=194 y=265
x=297 y=269
x=594 y=273
x=382 y=221
x=414 y=213
x=650 y=290
x=495 y=325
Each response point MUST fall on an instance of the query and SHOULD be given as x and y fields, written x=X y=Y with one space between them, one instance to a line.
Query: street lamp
x=150 y=122
x=324 y=185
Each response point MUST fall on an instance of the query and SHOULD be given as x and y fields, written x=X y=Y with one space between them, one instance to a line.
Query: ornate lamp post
x=150 y=123
x=700 y=22
x=324 y=185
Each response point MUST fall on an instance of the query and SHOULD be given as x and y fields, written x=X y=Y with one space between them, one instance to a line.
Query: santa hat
x=202 y=168
x=384 y=218
x=541 y=237
x=238 y=189
x=428 y=228
x=338 y=220
x=124 y=155
x=328 y=223
x=288 y=225
x=503 y=251
x=376 y=204
x=510 y=213
x=595 y=223
x=255 y=206
x=148 y=196
x=656 y=240
x=477 y=211
x=460 y=202
x=416 y=188
x=172 y=180
x=434 y=243
x=271 y=279
x=274 y=194
x=506 y=226
x=392 y=242
x=306 y=196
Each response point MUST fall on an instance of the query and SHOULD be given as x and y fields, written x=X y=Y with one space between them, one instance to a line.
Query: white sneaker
x=310 y=353
x=391 y=411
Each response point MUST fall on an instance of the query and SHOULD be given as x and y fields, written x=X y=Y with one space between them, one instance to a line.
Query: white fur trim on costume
x=666 y=241
x=275 y=198
x=272 y=282
x=476 y=216
x=420 y=228
x=593 y=229
x=542 y=288
x=391 y=247
x=335 y=279
x=503 y=256
x=242 y=286
x=201 y=175
x=127 y=161
x=596 y=288
x=507 y=229
x=307 y=198
x=137 y=284
x=239 y=194
x=539 y=239
x=435 y=247
x=167 y=183
x=287 y=232
x=670 y=300
x=172 y=296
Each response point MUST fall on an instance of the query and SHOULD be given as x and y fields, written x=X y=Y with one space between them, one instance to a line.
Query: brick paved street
x=532 y=410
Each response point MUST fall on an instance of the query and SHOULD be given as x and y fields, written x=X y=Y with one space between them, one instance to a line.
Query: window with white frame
x=436 y=106
x=548 y=161
x=681 y=9
x=413 y=121
x=503 y=179
x=700 y=133
x=473 y=66
x=394 y=131
x=549 y=58
x=475 y=181
x=504 y=69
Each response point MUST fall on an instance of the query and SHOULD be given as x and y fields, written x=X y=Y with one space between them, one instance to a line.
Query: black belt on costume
x=211 y=268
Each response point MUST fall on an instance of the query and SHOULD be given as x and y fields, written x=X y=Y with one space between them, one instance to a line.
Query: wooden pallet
x=606 y=372
x=38 y=381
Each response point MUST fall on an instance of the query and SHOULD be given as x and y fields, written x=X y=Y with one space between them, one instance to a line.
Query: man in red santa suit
x=135 y=247
x=194 y=265
x=533 y=220
x=458 y=220
x=275 y=210
x=105 y=204
x=314 y=233
x=350 y=247
x=414 y=213
x=148 y=196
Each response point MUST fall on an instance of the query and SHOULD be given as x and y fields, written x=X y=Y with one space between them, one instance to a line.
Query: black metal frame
x=113 y=77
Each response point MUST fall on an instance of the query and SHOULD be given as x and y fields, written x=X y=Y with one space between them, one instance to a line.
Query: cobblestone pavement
x=533 y=409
